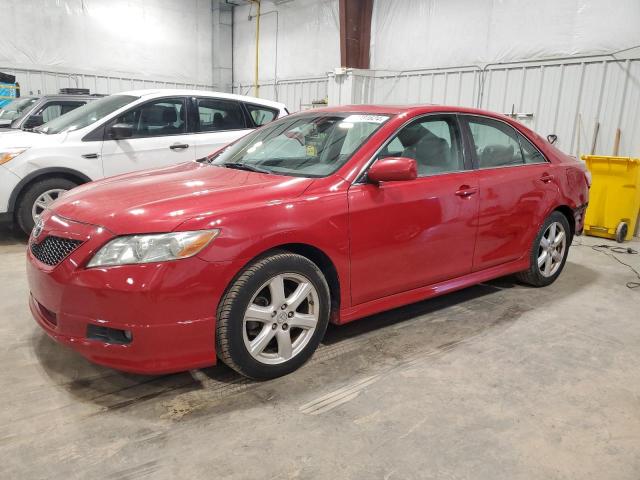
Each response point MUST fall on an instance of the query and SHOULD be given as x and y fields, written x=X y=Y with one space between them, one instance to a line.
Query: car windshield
x=86 y=115
x=15 y=108
x=308 y=145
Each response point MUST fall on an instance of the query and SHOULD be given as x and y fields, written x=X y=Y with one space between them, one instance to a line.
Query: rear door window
x=218 y=115
x=496 y=143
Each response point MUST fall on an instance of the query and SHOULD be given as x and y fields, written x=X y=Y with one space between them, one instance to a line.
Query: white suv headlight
x=161 y=247
x=7 y=154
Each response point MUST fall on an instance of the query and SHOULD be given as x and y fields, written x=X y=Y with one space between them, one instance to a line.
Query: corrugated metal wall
x=455 y=86
x=297 y=94
x=43 y=82
x=571 y=98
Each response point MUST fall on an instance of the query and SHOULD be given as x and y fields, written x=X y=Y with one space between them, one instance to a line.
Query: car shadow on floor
x=11 y=235
x=467 y=313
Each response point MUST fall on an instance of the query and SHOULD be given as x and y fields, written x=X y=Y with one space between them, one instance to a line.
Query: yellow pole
x=256 y=87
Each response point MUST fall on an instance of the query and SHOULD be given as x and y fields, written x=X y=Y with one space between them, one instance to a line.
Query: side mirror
x=120 y=130
x=393 y=169
x=552 y=138
x=33 y=121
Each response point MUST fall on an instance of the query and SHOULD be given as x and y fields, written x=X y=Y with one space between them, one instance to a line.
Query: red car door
x=516 y=187
x=408 y=234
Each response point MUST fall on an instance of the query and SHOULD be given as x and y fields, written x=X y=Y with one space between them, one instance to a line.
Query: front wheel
x=548 y=252
x=37 y=197
x=273 y=316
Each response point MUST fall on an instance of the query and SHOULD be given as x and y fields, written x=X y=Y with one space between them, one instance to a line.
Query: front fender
x=43 y=173
x=317 y=221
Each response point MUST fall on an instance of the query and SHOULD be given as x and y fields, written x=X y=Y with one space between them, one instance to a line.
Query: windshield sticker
x=366 y=118
x=311 y=151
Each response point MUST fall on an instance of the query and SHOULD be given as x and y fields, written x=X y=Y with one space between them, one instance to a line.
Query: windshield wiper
x=245 y=166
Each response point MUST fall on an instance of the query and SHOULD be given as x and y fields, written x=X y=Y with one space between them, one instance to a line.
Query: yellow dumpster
x=614 y=198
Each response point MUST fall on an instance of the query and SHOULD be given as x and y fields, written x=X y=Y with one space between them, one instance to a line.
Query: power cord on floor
x=605 y=249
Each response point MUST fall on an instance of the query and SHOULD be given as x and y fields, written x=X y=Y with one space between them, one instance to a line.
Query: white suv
x=117 y=134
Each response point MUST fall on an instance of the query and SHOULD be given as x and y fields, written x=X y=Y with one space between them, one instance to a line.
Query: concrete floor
x=498 y=381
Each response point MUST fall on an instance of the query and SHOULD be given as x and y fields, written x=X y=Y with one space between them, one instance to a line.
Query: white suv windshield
x=308 y=145
x=87 y=114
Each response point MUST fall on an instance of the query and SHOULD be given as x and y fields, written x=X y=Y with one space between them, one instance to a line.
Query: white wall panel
x=167 y=40
x=409 y=34
x=301 y=40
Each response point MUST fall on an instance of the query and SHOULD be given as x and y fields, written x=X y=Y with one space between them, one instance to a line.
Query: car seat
x=153 y=119
x=498 y=155
x=431 y=153
x=169 y=120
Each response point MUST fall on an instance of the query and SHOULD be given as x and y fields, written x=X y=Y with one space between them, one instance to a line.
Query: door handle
x=179 y=146
x=466 y=191
x=546 y=177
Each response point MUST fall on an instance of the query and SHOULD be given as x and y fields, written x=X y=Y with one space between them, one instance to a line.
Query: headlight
x=152 y=248
x=10 y=153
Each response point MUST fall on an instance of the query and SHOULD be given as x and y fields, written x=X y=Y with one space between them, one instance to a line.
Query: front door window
x=433 y=142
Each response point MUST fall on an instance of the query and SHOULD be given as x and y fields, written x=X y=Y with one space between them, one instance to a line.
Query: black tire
x=533 y=276
x=24 y=216
x=230 y=344
x=621 y=232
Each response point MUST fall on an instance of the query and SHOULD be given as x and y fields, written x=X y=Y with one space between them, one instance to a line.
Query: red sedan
x=325 y=216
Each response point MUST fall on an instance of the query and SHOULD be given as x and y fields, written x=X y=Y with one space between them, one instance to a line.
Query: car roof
x=411 y=109
x=22 y=97
x=65 y=96
x=160 y=92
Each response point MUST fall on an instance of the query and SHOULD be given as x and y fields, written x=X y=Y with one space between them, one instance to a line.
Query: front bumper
x=8 y=182
x=168 y=307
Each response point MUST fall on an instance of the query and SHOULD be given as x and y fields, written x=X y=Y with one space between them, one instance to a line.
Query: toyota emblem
x=37 y=229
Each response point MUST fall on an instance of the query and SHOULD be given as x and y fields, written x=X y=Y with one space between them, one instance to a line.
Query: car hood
x=160 y=200
x=15 y=138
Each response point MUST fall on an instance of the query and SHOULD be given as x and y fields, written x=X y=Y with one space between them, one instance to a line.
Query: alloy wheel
x=281 y=318
x=44 y=200
x=552 y=249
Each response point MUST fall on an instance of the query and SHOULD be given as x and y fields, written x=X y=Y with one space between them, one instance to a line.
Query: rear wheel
x=37 y=197
x=272 y=318
x=548 y=252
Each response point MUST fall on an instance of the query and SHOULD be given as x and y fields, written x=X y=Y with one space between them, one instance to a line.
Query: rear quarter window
x=261 y=115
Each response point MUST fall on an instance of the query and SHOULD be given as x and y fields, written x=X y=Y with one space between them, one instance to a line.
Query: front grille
x=52 y=250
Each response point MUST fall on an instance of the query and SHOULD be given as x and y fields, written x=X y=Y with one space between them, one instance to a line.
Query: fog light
x=109 y=335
